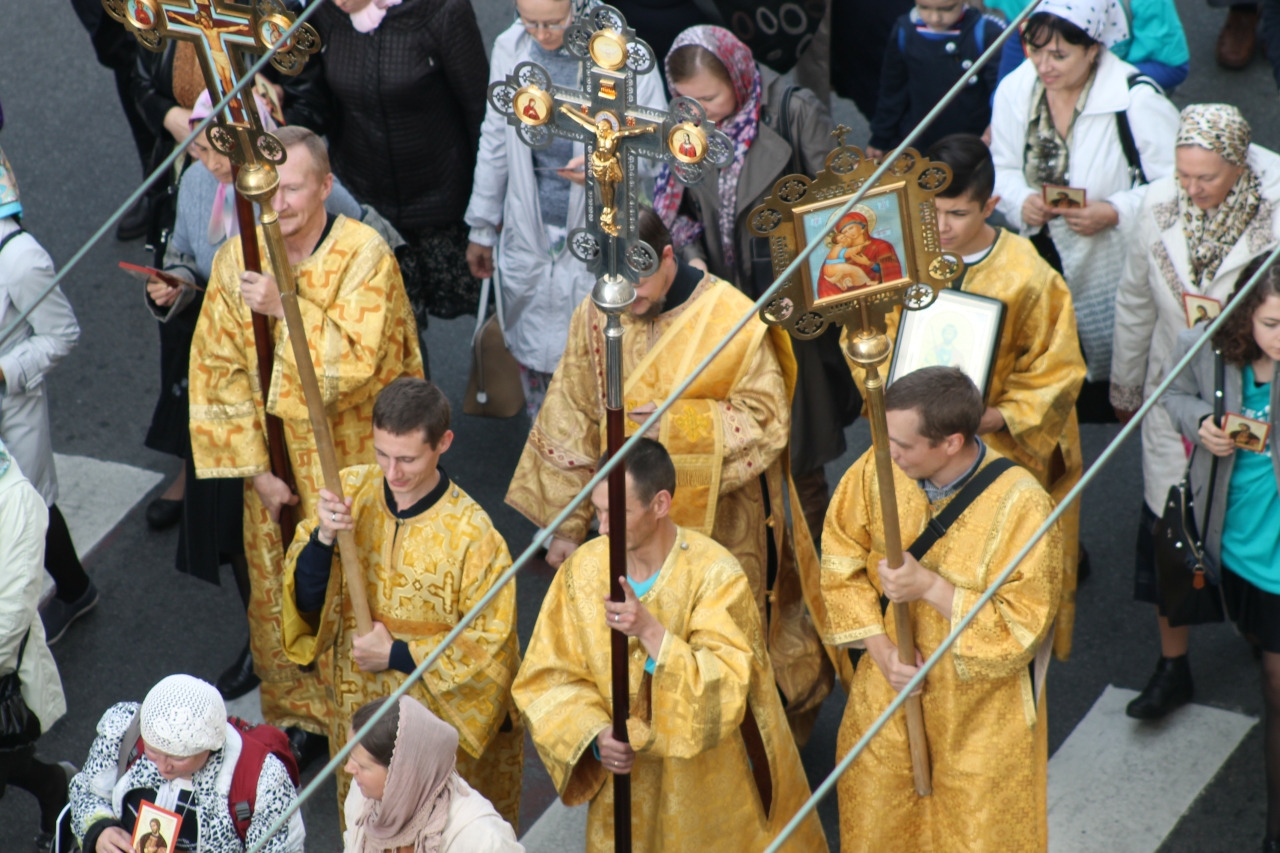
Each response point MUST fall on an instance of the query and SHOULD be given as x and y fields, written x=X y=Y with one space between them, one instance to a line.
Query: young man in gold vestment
x=1030 y=412
x=428 y=552
x=984 y=713
x=712 y=764
x=727 y=435
x=362 y=335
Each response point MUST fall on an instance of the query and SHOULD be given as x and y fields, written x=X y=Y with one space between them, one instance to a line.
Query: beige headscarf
x=1211 y=234
x=415 y=802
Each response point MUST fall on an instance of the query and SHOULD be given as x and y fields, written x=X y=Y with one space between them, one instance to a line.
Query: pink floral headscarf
x=741 y=128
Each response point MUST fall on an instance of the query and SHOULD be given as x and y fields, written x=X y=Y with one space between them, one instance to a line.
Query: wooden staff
x=266 y=359
x=870 y=350
x=258 y=182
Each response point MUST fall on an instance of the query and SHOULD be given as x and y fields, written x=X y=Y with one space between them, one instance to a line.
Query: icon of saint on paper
x=1247 y=433
x=156 y=830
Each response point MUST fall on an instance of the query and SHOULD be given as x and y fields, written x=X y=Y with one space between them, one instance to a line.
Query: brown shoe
x=1238 y=39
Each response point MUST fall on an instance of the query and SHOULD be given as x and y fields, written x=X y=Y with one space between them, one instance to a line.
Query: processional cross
x=224 y=33
x=603 y=114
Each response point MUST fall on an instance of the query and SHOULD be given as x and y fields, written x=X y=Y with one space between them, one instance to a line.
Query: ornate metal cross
x=604 y=115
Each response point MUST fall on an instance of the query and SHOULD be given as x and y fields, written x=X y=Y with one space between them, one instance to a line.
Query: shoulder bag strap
x=938 y=526
x=784 y=128
x=6 y=240
x=129 y=745
x=1219 y=411
x=1131 y=153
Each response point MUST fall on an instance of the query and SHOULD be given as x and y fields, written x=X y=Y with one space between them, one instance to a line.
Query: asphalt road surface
x=1194 y=784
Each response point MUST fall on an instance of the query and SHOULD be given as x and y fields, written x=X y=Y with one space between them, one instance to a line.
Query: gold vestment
x=986 y=728
x=1034 y=384
x=422 y=574
x=699 y=781
x=362 y=335
x=730 y=427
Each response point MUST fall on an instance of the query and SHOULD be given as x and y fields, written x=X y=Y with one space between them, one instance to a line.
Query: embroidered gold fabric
x=362 y=336
x=692 y=786
x=987 y=739
x=422 y=574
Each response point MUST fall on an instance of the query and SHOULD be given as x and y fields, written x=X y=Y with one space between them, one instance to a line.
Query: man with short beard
x=728 y=437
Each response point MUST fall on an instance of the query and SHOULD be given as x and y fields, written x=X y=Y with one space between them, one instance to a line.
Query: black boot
x=1170 y=687
x=306 y=747
x=239 y=678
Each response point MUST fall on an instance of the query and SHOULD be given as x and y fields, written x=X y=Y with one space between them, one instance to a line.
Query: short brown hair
x=653 y=230
x=296 y=136
x=380 y=742
x=410 y=404
x=945 y=398
x=1234 y=338
x=686 y=61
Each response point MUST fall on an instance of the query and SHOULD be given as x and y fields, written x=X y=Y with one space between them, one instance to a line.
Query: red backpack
x=257 y=742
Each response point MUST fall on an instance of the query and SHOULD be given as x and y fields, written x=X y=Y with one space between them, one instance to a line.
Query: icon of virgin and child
x=857 y=259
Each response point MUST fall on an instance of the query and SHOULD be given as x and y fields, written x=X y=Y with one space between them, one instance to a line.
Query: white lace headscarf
x=183 y=716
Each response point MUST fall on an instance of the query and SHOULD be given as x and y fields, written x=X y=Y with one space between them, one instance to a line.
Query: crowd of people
x=752 y=587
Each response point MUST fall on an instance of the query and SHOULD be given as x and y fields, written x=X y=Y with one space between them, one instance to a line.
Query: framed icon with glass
x=958 y=330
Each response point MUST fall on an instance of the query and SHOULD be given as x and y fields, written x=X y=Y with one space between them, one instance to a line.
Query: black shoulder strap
x=1131 y=154
x=784 y=128
x=6 y=240
x=937 y=527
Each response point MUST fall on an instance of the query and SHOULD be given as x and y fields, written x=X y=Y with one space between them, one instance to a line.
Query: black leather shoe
x=1170 y=687
x=306 y=747
x=238 y=679
x=135 y=221
x=163 y=513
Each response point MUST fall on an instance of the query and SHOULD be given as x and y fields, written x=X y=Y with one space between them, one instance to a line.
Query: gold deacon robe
x=716 y=767
x=421 y=575
x=730 y=427
x=986 y=725
x=362 y=336
x=1034 y=384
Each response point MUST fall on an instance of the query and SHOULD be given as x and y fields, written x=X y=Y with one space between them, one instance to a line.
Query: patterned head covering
x=1219 y=128
x=1102 y=20
x=182 y=716
x=741 y=128
x=9 y=203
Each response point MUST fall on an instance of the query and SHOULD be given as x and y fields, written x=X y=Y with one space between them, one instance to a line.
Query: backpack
x=258 y=741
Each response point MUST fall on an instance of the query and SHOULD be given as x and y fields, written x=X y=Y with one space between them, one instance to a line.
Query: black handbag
x=1189 y=579
x=18 y=726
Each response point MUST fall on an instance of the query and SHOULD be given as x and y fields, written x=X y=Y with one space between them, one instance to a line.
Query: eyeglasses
x=535 y=26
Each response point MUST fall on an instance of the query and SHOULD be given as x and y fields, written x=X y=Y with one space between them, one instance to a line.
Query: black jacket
x=402 y=107
x=918 y=71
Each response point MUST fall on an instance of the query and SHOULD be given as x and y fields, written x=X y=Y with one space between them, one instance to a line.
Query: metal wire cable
x=1126 y=431
x=178 y=151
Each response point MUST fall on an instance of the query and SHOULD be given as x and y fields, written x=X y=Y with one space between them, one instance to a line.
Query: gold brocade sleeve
x=852 y=601
x=558 y=695
x=563 y=448
x=1005 y=635
x=700 y=684
x=226 y=417
x=472 y=679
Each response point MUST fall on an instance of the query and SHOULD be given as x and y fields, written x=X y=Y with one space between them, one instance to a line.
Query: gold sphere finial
x=868 y=350
x=258 y=182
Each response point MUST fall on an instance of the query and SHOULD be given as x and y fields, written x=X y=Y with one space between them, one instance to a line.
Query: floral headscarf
x=9 y=203
x=1210 y=234
x=1102 y=20
x=741 y=128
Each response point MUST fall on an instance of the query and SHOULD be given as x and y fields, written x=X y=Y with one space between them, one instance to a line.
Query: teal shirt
x=1154 y=25
x=1251 y=536
x=641 y=589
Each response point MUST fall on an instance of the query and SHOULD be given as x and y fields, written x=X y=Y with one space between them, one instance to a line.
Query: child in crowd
x=1156 y=46
x=931 y=47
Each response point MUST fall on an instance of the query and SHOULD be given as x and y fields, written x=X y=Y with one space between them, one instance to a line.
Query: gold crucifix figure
x=605 y=167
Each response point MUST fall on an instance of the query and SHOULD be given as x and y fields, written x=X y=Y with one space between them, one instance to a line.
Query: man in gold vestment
x=428 y=552
x=362 y=336
x=984 y=713
x=728 y=437
x=712 y=764
x=1030 y=412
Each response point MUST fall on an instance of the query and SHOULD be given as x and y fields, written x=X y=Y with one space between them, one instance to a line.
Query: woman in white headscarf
x=407 y=795
x=1058 y=120
x=1195 y=233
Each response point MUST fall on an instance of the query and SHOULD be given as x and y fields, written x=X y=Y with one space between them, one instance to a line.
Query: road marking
x=94 y=496
x=1120 y=784
x=559 y=829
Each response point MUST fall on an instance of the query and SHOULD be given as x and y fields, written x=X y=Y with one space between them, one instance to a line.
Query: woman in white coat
x=23 y=517
x=1057 y=121
x=1195 y=233
x=526 y=202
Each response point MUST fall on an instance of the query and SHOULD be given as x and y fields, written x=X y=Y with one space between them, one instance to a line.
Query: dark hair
x=973 y=173
x=410 y=404
x=297 y=136
x=380 y=742
x=650 y=469
x=1043 y=26
x=653 y=230
x=1235 y=337
x=686 y=61
x=945 y=398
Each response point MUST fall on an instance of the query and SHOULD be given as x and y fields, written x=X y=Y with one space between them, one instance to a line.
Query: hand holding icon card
x=1247 y=433
x=156 y=830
